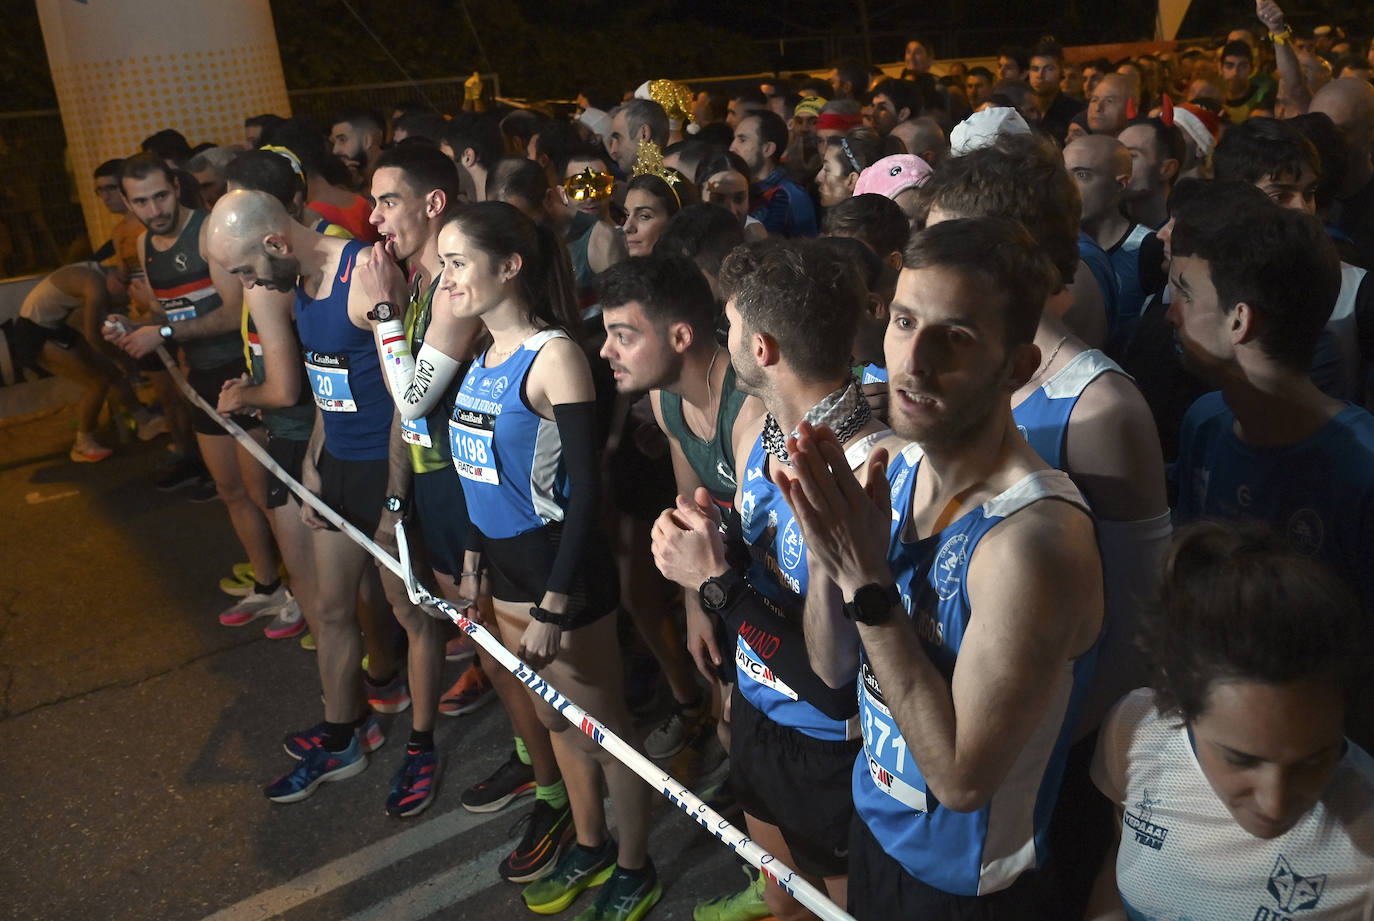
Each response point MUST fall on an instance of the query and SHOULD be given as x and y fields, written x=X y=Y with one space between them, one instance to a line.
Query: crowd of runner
x=751 y=391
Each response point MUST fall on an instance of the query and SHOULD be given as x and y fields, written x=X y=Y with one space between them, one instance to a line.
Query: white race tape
x=788 y=880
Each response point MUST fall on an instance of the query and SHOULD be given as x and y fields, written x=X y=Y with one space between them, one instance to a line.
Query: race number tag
x=178 y=309
x=751 y=667
x=469 y=435
x=889 y=763
x=329 y=382
x=416 y=432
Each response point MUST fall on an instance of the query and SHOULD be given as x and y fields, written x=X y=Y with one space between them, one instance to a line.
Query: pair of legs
x=513 y=694
x=96 y=375
x=783 y=906
x=648 y=598
x=592 y=679
x=233 y=470
x=175 y=410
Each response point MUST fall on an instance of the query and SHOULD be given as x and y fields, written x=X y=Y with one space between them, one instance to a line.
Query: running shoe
x=88 y=451
x=416 y=782
x=204 y=490
x=308 y=642
x=150 y=424
x=745 y=905
x=672 y=735
x=392 y=697
x=318 y=766
x=369 y=736
x=626 y=896
x=181 y=472
x=254 y=606
x=580 y=868
x=287 y=622
x=548 y=831
x=240 y=584
x=470 y=692
x=460 y=649
x=511 y=780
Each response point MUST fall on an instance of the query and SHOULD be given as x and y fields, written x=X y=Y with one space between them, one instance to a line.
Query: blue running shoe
x=299 y=744
x=318 y=766
x=415 y=784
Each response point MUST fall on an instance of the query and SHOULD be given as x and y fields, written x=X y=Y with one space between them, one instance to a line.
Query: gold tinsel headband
x=649 y=162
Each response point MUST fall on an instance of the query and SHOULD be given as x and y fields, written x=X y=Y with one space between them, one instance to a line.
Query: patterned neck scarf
x=845 y=412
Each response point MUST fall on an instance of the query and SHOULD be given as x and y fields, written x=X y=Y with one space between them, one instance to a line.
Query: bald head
x=1349 y=101
x=1101 y=167
x=249 y=233
x=923 y=138
x=1107 y=106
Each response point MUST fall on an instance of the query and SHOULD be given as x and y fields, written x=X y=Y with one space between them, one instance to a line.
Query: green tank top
x=427 y=438
x=180 y=277
x=579 y=239
x=293 y=423
x=714 y=460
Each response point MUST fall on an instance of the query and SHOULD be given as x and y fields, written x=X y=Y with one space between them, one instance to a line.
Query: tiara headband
x=649 y=162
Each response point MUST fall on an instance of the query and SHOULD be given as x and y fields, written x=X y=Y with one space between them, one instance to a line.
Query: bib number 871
x=877 y=733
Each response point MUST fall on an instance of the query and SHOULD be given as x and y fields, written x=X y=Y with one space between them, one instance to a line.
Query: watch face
x=713 y=595
x=393 y=504
x=384 y=311
x=165 y=331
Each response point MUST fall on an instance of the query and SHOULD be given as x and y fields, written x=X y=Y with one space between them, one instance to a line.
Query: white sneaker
x=254 y=606
x=288 y=621
x=87 y=450
x=150 y=425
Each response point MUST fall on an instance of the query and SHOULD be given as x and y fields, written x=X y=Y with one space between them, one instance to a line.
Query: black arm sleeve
x=577 y=432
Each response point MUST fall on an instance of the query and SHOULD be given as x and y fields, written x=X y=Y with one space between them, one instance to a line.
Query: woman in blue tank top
x=523 y=439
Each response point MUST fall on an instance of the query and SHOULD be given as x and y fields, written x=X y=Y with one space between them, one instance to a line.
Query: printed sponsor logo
x=1140 y=822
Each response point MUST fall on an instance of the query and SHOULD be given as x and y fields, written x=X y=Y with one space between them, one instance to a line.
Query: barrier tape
x=787 y=879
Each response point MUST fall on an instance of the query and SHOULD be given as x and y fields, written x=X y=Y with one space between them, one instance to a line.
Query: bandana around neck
x=845 y=412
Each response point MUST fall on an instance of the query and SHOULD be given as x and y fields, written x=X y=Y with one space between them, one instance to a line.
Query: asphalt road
x=137 y=733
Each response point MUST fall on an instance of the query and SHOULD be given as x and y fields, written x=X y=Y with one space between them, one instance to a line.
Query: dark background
x=551 y=48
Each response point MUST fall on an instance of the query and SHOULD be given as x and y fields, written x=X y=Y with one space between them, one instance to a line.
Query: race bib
x=329 y=382
x=889 y=763
x=178 y=309
x=470 y=436
x=416 y=432
x=748 y=664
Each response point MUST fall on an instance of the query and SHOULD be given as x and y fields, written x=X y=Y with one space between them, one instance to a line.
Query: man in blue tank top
x=794 y=310
x=967 y=590
x=350 y=464
x=1252 y=289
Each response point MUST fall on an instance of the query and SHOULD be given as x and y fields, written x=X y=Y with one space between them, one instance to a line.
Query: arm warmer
x=577 y=432
x=416 y=382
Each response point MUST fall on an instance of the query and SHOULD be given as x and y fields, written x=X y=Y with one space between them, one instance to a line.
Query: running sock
x=380 y=682
x=555 y=794
x=421 y=740
x=522 y=752
x=266 y=589
x=336 y=736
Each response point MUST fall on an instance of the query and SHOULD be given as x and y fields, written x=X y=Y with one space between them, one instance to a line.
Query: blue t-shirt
x=1319 y=493
x=783 y=207
x=778 y=569
x=1125 y=257
x=963 y=853
x=1100 y=265
x=1043 y=417
x=509 y=456
x=342 y=370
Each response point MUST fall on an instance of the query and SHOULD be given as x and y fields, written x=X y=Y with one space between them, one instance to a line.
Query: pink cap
x=893 y=175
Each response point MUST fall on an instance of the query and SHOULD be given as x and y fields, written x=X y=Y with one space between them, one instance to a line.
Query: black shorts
x=880 y=889
x=290 y=454
x=354 y=489
x=30 y=336
x=208 y=382
x=519 y=570
x=439 y=504
x=799 y=783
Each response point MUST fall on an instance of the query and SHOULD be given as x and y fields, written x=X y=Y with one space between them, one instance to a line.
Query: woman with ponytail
x=524 y=441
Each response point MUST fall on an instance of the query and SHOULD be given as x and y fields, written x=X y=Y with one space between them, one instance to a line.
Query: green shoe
x=626 y=896
x=579 y=869
x=240 y=584
x=308 y=642
x=746 y=905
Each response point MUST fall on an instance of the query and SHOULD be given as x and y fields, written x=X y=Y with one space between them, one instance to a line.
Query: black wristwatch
x=718 y=592
x=166 y=331
x=394 y=504
x=382 y=311
x=872 y=604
